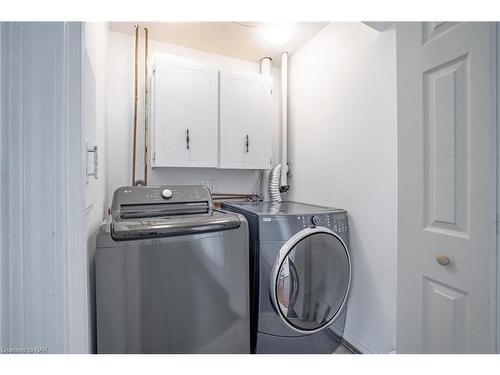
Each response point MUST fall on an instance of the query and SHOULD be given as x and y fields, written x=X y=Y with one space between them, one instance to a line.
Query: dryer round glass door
x=310 y=280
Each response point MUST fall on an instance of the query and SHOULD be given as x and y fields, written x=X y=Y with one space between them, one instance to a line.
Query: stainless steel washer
x=172 y=274
x=300 y=275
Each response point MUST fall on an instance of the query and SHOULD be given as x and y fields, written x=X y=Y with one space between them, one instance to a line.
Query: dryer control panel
x=278 y=221
x=335 y=221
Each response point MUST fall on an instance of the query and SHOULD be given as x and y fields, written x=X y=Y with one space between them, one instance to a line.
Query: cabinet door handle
x=247 y=142
x=187 y=139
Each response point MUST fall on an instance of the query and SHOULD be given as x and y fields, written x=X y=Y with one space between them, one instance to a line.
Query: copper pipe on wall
x=145 y=106
x=134 y=147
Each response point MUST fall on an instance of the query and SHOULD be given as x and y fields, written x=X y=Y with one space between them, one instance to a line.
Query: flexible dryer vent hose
x=274 y=185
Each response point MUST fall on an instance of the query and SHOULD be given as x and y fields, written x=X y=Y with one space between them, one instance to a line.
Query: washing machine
x=300 y=272
x=172 y=274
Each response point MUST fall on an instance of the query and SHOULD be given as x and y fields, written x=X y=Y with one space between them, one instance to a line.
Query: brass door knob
x=442 y=260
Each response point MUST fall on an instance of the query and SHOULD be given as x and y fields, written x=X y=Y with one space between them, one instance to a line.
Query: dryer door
x=310 y=280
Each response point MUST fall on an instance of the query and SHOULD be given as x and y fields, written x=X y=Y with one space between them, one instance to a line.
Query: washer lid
x=310 y=280
x=173 y=225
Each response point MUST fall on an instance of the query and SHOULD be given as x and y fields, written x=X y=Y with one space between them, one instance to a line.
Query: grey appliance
x=300 y=275
x=172 y=274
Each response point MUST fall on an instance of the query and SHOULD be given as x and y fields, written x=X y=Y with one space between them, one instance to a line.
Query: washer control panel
x=335 y=221
x=147 y=197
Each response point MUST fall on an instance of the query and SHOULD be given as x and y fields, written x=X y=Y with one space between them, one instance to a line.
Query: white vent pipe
x=266 y=69
x=265 y=66
x=284 y=121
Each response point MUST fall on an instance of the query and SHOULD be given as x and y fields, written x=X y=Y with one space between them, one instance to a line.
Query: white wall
x=94 y=131
x=342 y=149
x=120 y=118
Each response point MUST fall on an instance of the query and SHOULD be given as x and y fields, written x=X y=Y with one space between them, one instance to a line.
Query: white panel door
x=446 y=148
x=245 y=121
x=184 y=113
x=44 y=294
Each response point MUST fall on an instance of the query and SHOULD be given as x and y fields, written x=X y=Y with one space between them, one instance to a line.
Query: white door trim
x=1 y=199
x=497 y=180
x=76 y=266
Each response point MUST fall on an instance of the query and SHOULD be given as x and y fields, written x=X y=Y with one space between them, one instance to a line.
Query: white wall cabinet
x=195 y=125
x=184 y=113
x=245 y=121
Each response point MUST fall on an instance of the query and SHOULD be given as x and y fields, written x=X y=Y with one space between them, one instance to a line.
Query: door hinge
x=153 y=154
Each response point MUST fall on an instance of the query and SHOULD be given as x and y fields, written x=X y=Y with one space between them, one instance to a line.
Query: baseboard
x=358 y=344
x=350 y=346
x=345 y=343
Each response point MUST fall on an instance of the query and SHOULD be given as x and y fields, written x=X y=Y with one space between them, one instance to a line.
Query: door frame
x=1 y=196
x=496 y=274
x=76 y=266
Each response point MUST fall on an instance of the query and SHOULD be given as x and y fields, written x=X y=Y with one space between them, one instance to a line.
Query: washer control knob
x=315 y=220
x=167 y=193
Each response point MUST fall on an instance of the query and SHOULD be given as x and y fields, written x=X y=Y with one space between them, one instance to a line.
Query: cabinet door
x=245 y=121
x=184 y=113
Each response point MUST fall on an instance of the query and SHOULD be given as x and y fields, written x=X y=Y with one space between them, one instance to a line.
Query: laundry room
x=323 y=91
x=231 y=186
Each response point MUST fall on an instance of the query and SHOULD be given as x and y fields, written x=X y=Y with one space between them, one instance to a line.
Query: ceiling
x=243 y=40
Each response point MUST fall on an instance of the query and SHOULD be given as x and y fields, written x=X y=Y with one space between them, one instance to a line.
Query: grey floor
x=342 y=350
